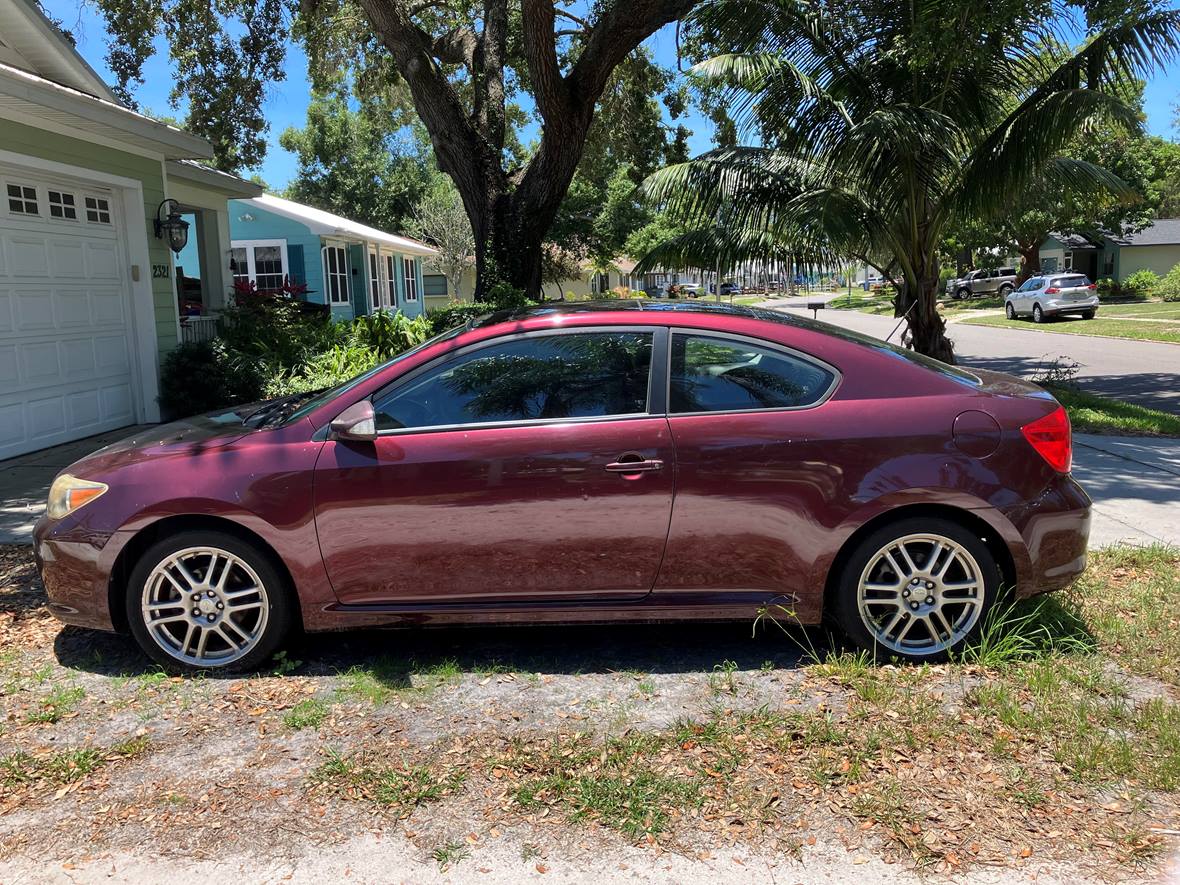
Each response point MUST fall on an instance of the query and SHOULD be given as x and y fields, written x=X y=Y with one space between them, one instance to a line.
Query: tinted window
x=552 y=376
x=1073 y=282
x=719 y=375
x=1007 y=271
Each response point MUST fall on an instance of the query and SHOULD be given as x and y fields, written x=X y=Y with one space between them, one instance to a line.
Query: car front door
x=536 y=467
x=753 y=467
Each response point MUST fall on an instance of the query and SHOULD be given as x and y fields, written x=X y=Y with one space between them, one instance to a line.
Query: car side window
x=712 y=374
x=534 y=378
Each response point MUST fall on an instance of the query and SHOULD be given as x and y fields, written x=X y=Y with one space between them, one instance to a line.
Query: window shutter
x=296 y=269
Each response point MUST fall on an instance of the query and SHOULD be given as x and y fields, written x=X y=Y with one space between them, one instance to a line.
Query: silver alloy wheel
x=920 y=594
x=204 y=606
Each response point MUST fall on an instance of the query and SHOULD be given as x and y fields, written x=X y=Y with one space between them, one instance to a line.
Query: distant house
x=1155 y=248
x=353 y=268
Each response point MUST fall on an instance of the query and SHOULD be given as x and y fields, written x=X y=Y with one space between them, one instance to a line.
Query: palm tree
x=880 y=123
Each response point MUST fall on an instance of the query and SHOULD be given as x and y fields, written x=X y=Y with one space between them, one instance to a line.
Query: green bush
x=279 y=332
x=338 y=364
x=1140 y=284
x=203 y=376
x=1169 y=286
x=390 y=333
x=1108 y=288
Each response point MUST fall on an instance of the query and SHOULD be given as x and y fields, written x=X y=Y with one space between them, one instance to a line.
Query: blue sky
x=286 y=103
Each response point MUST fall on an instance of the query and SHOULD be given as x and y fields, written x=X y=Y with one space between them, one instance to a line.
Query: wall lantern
x=173 y=229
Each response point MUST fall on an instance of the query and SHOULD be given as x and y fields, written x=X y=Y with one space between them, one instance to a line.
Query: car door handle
x=639 y=465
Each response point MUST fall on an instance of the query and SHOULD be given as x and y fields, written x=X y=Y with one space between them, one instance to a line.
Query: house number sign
x=160 y=271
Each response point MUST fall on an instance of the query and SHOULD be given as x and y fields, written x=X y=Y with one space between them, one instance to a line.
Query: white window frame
x=410 y=278
x=375 y=286
x=1067 y=261
x=23 y=198
x=342 y=274
x=250 y=246
x=390 y=266
x=63 y=205
x=98 y=210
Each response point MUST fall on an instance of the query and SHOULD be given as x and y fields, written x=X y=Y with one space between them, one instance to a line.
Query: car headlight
x=68 y=493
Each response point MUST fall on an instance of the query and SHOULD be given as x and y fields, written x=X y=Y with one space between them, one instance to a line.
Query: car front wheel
x=918 y=589
x=1038 y=314
x=207 y=600
x=1009 y=311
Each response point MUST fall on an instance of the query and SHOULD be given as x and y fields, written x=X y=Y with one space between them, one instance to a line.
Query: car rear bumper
x=1056 y=531
x=75 y=568
x=1067 y=306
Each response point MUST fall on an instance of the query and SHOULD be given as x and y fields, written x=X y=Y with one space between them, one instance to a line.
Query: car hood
x=208 y=431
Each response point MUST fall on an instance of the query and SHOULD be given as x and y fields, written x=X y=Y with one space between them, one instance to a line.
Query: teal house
x=353 y=268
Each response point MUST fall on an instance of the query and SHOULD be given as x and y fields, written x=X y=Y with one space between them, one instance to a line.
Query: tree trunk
x=1030 y=260
x=927 y=329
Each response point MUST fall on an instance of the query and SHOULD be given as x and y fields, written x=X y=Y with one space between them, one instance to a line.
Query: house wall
x=262 y=224
x=1159 y=259
x=30 y=141
x=1052 y=249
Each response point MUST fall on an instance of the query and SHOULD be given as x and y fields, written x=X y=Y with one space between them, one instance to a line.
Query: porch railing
x=198 y=328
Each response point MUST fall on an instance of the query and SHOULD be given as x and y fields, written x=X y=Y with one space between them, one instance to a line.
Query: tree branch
x=540 y=50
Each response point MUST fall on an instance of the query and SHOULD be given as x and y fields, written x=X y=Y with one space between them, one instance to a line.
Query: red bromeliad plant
x=245 y=290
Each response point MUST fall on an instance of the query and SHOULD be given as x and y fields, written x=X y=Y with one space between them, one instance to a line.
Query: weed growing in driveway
x=62 y=700
x=64 y=766
x=722 y=679
x=450 y=854
x=404 y=786
x=308 y=713
x=378 y=682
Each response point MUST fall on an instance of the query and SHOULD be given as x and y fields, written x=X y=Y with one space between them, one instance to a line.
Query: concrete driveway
x=1144 y=372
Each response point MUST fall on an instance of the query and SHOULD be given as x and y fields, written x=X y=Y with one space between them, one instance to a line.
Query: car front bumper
x=75 y=568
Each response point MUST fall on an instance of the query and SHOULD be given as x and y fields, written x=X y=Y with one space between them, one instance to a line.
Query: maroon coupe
x=589 y=462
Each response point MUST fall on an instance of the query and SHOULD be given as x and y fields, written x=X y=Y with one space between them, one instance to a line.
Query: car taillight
x=1051 y=437
x=1092 y=286
x=1052 y=290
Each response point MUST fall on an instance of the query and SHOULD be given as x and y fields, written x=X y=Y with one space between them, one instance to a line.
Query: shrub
x=338 y=364
x=1140 y=284
x=275 y=330
x=206 y=375
x=1109 y=288
x=1169 y=286
x=390 y=333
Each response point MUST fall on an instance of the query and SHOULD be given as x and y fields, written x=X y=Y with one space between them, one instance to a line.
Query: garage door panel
x=69 y=260
x=107 y=307
x=102 y=261
x=84 y=409
x=65 y=349
x=77 y=359
x=72 y=308
x=40 y=365
x=28 y=257
x=47 y=416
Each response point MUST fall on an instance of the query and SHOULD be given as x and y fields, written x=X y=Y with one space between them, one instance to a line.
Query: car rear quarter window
x=717 y=374
x=539 y=377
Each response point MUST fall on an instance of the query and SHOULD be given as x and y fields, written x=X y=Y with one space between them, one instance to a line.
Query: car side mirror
x=357 y=423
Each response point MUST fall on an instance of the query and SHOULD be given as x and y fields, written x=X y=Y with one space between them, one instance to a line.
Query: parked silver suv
x=998 y=281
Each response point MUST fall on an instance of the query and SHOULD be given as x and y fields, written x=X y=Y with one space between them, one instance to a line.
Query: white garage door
x=65 y=355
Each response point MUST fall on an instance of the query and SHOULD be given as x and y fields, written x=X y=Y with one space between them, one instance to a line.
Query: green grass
x=1162 y=310
x=1089 y=413
x=58 y=703
x=404 y=786
x=878 y=303
x=308 y=713
x=1168 y=333
x=387 y=677
x=65 y=766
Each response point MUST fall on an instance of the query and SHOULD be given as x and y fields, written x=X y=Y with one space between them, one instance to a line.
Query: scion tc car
x=592 y=462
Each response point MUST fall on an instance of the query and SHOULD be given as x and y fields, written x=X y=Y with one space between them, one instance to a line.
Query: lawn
x=880 y=303
x=1160 y=310
x=1089 y=413
x=1051 y=750
x=1115 y=328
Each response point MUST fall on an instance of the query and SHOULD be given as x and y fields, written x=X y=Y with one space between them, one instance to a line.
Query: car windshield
x=307 y=406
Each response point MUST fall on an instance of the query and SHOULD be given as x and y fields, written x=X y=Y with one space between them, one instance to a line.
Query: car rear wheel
x=1088 y=314
x=1009 y=311
x=1005 y=291
x=1038 y=314
x=918 y=589
x=207 y=600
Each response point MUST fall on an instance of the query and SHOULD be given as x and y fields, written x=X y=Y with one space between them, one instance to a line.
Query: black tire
x=1088 y=314
x=1009 y=311
x=844 y=603
x=277 y=600
x=1005 y=291
x=963 y=294
x=1038 y=315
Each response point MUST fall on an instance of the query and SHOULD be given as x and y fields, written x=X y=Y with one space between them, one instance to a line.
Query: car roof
x=612 y=309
